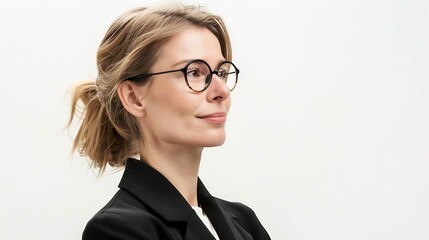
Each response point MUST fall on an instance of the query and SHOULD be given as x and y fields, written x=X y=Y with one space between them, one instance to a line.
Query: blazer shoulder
x=113 y=225
x=237 y=209
x=245 y=217
x=124 y=217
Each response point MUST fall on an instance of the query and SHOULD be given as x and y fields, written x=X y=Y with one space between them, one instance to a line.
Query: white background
x=328 y=136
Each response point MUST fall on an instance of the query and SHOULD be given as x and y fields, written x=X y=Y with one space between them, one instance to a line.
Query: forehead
x=192 y=43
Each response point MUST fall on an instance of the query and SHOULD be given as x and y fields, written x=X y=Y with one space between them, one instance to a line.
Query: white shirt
x=206 y=221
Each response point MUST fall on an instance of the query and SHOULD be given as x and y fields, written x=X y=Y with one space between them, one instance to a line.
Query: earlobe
x=129 y=95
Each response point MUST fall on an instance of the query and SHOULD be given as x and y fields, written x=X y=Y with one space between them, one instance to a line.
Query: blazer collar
x=152 y=188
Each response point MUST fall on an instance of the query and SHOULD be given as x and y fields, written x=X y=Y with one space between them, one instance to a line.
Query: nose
x=218 y=91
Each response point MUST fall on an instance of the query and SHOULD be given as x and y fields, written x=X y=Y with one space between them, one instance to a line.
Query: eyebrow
x=185 y=61
x=181 y=63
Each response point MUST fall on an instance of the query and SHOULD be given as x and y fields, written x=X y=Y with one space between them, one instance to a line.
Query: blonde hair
x=108 y=134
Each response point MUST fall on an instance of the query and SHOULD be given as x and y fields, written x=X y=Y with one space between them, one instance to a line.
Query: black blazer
x=148 y=206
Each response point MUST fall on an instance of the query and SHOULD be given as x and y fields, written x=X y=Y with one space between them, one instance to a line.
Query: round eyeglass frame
x=208 y=79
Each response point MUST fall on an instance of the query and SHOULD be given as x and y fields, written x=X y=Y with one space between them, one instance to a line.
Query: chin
x=215 y=141
x=212 y=140
x=215 y=144
x=203 y=138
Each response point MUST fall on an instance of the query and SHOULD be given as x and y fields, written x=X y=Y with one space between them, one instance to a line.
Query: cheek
x=169 y=102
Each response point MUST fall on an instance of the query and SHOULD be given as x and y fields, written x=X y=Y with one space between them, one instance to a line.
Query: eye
x=222 y=73
x=193 y=73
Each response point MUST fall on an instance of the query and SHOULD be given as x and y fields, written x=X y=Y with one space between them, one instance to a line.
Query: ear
x=131 y=96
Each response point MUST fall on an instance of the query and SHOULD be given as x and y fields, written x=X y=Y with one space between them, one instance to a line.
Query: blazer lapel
x=222 y=221
x=196 y=230
x=153 y=189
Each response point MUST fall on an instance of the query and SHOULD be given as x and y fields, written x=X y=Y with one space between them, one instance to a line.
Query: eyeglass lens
x=198 y=75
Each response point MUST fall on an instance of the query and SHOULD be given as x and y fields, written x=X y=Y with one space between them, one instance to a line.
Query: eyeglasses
x=198 y=74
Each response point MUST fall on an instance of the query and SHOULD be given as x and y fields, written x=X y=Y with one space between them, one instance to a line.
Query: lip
x=218 y=117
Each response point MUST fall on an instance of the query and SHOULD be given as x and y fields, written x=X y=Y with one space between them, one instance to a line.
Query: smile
x=214 y=118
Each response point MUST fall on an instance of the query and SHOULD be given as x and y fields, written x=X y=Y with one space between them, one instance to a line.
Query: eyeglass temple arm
x=145 y=75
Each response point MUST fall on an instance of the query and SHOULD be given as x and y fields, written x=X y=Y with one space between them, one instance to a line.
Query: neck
x=180 y=166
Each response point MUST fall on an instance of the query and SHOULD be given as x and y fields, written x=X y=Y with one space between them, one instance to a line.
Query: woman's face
x=174 y=114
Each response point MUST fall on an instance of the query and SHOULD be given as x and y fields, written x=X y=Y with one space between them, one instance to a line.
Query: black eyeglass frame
x=208 y=79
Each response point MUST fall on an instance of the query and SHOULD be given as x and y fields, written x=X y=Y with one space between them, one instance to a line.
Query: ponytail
x=97 y=137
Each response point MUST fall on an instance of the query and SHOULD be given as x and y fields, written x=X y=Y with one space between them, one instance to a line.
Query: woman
x=162 y=94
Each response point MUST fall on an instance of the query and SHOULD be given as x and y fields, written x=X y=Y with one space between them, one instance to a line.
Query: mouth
x=219 y=117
